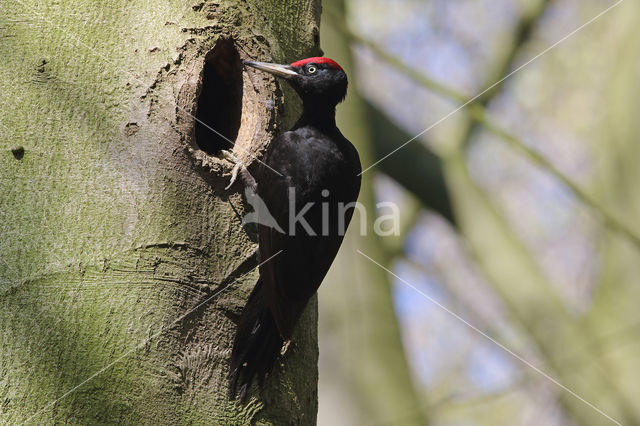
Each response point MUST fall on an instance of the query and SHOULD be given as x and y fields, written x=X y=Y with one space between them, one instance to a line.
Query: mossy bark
x=123 y=265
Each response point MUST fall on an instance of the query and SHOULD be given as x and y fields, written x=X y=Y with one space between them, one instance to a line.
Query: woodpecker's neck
x=317 y=114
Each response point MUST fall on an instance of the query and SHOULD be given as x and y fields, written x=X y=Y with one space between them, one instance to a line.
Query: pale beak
x=284 y=71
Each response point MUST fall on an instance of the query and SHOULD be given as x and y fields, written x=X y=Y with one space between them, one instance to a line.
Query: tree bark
x=123 y=265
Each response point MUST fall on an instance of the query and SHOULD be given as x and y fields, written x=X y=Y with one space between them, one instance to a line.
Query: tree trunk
x=123 y=265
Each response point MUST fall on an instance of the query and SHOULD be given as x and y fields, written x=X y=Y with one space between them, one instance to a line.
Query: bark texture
x=123 y=266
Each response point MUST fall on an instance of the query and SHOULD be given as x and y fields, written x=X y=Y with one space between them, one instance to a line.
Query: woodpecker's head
x=317 y=80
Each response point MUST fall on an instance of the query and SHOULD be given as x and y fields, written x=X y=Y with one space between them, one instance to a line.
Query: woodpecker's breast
x=313 y=160
x=319 y=168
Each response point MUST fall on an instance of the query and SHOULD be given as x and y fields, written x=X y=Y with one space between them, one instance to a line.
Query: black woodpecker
x=311 y=198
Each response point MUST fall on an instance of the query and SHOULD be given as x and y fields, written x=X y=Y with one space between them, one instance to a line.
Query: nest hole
x=219 y=105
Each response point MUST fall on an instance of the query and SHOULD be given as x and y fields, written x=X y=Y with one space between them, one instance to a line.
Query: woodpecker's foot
x=285 y=347
x=228 y=155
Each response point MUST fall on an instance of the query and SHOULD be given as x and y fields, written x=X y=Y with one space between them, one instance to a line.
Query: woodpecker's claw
x=234 y=174
x=285 y=347
x=228 y=155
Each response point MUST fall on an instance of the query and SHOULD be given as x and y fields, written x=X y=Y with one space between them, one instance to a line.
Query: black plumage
x=321 y=167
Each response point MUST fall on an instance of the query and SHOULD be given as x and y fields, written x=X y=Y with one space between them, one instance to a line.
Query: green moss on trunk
x=113 y=225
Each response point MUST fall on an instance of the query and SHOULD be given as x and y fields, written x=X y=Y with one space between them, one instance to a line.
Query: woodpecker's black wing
x=321 y=171
x=311 y=162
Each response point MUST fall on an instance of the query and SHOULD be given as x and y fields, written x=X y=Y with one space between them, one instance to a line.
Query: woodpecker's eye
x=311 y=69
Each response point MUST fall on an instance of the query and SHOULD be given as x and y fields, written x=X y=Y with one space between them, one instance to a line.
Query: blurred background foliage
x=511 y=295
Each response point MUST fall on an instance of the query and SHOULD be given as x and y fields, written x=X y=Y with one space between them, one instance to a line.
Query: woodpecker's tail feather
x=256 y=345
